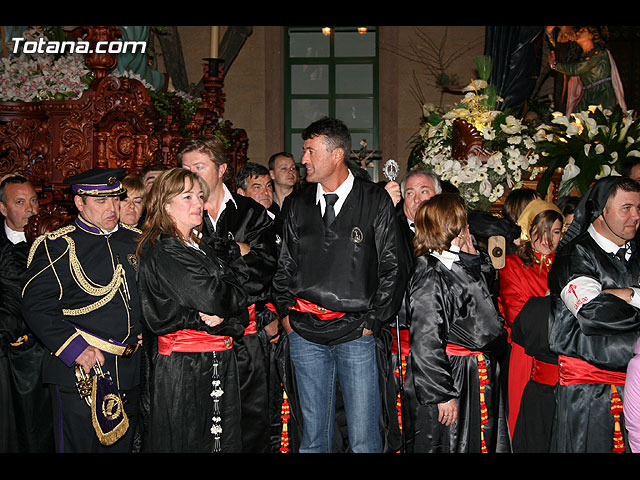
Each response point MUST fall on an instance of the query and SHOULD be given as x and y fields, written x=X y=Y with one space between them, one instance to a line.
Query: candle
x=213 y=50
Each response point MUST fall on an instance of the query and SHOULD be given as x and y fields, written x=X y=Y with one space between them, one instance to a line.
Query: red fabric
x=517 y=284
x=545 y=373
x=192 y=341
x=252 y=328
x=519 y=364
x=574 y=371
x=404 y=342
x=303 y=305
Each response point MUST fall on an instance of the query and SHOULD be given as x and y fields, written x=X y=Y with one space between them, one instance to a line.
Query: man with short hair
x=254 y=181
x=149 y=174
x=234 y=222
x=81 y=301
x=339 y=280
x=28 y=428
x=284 y=173
x=416 y=187
x=18 y=202
x=595 y=317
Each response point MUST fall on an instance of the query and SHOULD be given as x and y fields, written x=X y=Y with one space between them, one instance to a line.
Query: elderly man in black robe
x=595 y=317
x=340 y=278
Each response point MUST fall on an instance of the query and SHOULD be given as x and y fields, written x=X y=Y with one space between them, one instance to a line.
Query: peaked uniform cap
x=98 y=182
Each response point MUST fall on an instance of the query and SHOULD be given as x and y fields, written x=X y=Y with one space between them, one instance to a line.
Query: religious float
x=63 y=113
x=485 y=152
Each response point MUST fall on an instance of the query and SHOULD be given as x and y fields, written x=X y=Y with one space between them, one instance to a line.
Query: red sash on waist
x=192 y=341
x=574 y=371
x=303 y=305
x=459 y=351
x=545 y=373
x=483 y=380
x=404 y=341
x=252 y=328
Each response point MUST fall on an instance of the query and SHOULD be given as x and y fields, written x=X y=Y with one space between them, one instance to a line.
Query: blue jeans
x=316 y=369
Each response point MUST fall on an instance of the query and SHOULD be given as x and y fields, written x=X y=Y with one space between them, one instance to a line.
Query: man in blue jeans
x=339 y=280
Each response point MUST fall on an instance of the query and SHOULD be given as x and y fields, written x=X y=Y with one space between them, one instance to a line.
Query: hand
x=394 y=191
x=622 y=293
x=210 y=320
x=139 y=339
x=89 y=357
x=285 y=324
x=467 y=245
x=448 y=412
x=271 y=329
x=366 y=331
x=244 y=248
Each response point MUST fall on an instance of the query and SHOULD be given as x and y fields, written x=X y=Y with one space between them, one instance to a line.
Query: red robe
x=517 y=283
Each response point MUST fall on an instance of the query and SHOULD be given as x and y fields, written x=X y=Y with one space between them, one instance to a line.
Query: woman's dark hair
x=516 y=201
x=540 y=228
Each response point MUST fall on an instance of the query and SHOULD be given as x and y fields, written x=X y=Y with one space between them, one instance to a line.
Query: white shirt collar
x=448 y=257
x=606 y=244
x=13 y=235
x=411 y=224
x=342 y=191
x=227 y=196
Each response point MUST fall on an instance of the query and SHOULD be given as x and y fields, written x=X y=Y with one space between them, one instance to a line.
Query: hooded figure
x=594 y=320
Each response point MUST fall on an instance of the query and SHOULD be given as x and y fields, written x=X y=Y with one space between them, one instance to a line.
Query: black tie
x=329 y=212
x=622 y=255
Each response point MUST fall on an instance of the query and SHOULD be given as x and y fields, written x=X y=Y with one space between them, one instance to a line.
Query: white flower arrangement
x=482 y=181
x=587 y=145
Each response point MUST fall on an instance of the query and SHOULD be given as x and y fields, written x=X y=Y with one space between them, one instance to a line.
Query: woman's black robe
x=452 y=306
x=176 y=282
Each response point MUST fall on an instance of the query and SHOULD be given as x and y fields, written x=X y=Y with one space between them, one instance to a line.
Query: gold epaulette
x=60 y=232
x=133 y=228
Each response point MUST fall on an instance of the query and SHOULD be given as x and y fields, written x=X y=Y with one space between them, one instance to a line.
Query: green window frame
x=335 y=75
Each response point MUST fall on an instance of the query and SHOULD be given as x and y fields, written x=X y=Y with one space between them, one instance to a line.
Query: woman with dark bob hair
x=189 y=300
x=452 y=387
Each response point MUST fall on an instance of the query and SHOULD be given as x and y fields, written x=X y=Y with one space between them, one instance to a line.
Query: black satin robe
x=25 y=406
x=355 y=267
x=530 y=330
x=452 y=306
x=244 y=220
x=175 y=283
x=603 y=334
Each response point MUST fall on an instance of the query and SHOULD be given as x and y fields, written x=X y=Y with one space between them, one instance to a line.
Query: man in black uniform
x=81 y=301
x=339 y=279
x=232 y=222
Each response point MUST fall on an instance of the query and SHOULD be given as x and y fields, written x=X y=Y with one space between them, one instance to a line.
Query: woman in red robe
x=523 y=276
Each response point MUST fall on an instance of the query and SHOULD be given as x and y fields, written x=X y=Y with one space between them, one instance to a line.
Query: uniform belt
x=322 y=313
x=545 y=373
x=192 y=341
x=109 y=346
